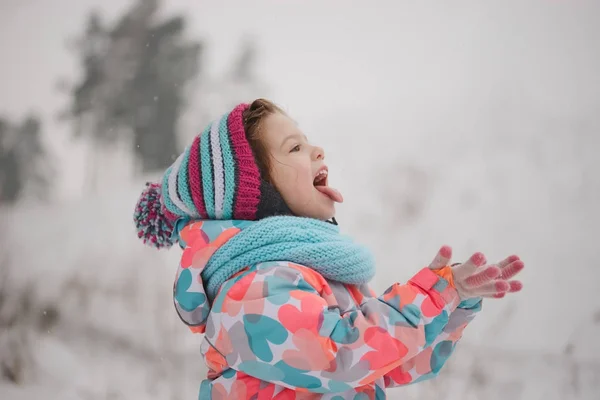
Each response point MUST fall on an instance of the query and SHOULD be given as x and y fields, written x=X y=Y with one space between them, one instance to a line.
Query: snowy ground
x=113 y=332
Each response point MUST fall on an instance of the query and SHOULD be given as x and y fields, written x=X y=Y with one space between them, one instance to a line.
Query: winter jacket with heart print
x=279 y=330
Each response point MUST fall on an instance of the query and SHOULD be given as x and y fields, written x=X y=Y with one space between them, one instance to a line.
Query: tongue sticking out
x=330 y=192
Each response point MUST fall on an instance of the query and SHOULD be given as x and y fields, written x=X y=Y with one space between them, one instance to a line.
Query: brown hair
x=253 y=119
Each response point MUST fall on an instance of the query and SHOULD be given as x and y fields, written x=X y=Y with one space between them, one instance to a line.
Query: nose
x=318 y=153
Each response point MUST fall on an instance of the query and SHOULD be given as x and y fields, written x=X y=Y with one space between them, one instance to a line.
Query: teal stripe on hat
x=207 y=173
x=183 y=184
x=165 y=194
x=229 y=167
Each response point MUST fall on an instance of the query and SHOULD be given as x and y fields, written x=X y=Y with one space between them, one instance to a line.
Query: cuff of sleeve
x=433 y=283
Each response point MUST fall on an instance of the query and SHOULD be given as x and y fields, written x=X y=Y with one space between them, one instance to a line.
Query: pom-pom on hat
x=216 y=177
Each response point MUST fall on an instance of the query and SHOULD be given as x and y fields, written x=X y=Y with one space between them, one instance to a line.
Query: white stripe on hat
x=218 y=173
x=173 y=186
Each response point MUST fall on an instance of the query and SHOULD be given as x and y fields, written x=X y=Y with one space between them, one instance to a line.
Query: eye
x=296 y=148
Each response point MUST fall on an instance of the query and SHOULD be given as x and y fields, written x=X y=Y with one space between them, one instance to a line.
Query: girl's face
x=298 y=170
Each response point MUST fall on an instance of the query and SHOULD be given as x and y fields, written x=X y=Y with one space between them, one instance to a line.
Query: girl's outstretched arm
x=427 y=364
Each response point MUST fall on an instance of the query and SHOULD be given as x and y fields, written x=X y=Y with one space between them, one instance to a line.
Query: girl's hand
x=475 y=279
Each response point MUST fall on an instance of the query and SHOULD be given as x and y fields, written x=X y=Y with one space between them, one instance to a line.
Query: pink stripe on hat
x=247 y=194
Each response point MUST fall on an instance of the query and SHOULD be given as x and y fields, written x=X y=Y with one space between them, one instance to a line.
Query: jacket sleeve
x=427 y=364
x=275 y=324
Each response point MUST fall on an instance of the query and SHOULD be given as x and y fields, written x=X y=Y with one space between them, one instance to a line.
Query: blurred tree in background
x=133 y=84
x=24 y=163
x=136 y=83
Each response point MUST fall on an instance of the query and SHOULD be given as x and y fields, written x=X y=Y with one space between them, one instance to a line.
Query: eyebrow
x=292 y=136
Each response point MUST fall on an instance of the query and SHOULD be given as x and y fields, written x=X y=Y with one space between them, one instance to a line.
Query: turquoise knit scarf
x=306 y=241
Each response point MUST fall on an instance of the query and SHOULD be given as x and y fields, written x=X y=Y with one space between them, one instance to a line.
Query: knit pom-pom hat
x=217 y=177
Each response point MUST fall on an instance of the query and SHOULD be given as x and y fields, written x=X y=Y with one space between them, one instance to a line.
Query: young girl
x=281 y=296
